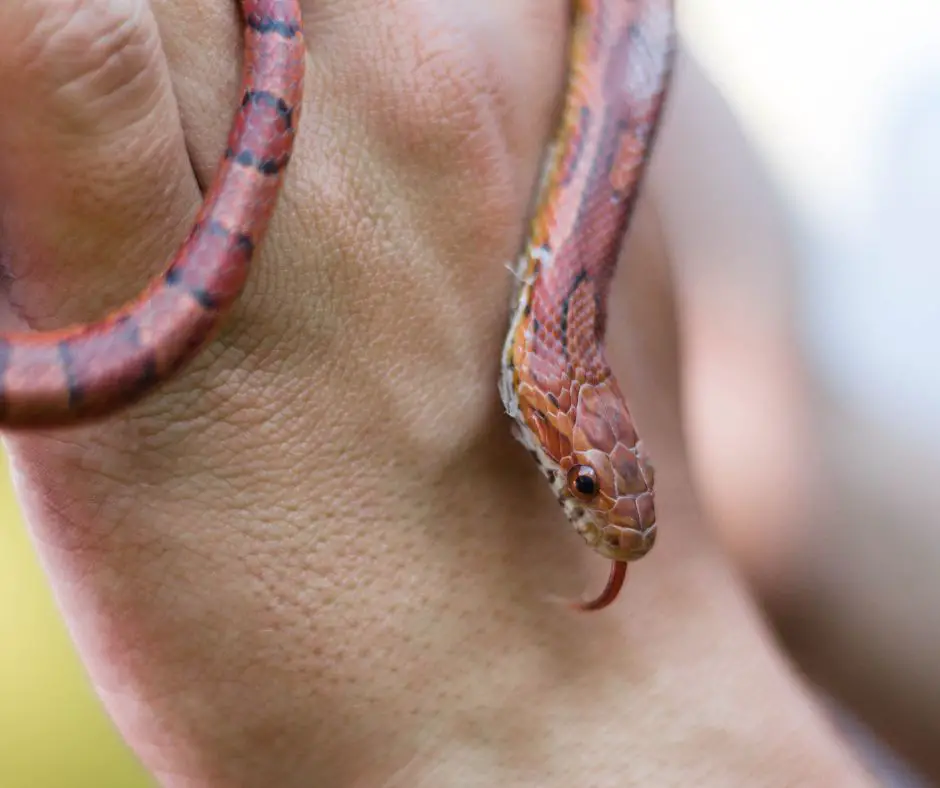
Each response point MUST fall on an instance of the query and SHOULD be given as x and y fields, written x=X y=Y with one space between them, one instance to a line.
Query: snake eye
x=582 y=481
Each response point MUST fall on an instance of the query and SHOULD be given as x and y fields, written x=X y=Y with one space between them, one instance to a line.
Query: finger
x=96 y=182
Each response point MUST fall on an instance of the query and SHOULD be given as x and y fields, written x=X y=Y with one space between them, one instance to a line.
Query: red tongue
x=618 y=574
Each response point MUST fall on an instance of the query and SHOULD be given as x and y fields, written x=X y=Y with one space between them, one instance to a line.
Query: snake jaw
x=624 y=532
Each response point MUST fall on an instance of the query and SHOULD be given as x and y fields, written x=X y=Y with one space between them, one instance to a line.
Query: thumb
x=98 y=190
x=95 y=178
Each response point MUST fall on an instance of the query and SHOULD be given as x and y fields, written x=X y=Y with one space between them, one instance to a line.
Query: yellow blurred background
x=53 y=731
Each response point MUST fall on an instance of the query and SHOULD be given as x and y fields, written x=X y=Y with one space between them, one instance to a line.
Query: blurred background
x=53 y=733
x=840 y=100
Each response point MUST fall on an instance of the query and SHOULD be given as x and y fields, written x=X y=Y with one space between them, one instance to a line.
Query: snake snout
x=630 y=530
x=626 y=544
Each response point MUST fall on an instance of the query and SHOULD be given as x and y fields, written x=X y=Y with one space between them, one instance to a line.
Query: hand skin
x=318 y=558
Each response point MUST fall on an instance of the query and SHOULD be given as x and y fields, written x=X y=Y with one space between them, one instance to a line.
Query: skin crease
x=319 y=557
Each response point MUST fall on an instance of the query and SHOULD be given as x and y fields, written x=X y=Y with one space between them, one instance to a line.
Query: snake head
x=586 y=445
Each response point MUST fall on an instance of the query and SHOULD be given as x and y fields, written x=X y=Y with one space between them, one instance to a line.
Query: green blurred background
x=53 y=731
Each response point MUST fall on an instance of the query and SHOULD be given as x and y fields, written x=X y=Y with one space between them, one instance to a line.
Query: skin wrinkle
x=193 y=69
x=126 y=63
x=76 y=53
x=377 y=572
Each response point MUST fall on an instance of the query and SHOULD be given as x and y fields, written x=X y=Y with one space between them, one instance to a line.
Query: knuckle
x=87 y=58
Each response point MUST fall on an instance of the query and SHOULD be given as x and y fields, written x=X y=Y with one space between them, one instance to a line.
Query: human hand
x=318 y=556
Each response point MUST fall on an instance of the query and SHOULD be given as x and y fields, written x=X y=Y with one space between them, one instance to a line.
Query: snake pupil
x=582 y=480
x=585 y=485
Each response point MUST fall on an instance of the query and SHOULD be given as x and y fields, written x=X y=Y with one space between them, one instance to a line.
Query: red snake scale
x=555 y=381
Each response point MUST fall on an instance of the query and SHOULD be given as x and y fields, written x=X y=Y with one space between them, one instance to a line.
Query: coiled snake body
x=86 y=371
x=555 y=380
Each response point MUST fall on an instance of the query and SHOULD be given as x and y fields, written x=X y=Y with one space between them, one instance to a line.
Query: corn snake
x=555 y=380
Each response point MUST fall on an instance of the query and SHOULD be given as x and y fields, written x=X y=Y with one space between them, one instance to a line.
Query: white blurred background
x=840 y=100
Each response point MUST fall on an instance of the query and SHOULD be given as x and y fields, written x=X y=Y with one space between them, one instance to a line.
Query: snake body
x=555 y=381
x=57 y=378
